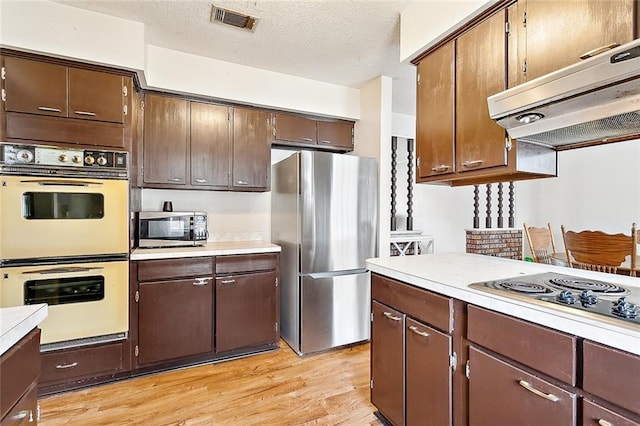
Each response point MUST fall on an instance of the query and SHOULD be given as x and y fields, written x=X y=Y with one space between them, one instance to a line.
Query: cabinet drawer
x=20 y=367
x=595 y=415
x=162 y=269
x=72 y=363
x=421 y=304
x=540 y=348
x=612 y=374
x=246 y=263
x=501 y=394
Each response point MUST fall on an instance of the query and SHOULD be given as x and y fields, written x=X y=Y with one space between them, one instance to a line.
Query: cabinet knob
x=201 y=180
x=241 y=182
x=603 y=422
x=175 y=180
x=441 y=168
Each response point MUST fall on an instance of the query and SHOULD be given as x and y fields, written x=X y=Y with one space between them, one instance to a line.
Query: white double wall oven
x=64 y=240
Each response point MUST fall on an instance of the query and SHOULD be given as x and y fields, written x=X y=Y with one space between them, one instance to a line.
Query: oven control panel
x=82 y=159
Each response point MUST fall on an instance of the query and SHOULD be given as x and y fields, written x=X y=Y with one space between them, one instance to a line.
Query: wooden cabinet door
x=210 y=145
x=246 y=310
x=293 y=128
x=501 y=394
x=251 y=150
x=175 y=319
x=594 y=414
x=387 y=362
x=95 y=95
x=480 y=72
x=165 y=140
x=428 y=375
x=35 y=87
x=338 y=134
x=558 y=32
x=435 y=140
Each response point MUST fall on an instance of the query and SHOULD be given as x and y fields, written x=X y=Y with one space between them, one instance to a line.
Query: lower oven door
x=61 y=217
x=85 y=300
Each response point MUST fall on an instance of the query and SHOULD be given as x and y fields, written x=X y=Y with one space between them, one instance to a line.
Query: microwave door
x=165 y=231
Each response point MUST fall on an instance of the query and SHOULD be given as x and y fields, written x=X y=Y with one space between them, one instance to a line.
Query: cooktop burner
x=584 y=295
x=586 y=284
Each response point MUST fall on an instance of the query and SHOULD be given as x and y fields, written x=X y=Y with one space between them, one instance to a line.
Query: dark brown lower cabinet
x=19 y=372
x=593 y=414
x=503 y=394
x=410 y=369
x=387 y=363
x=245 y=310
x=428 y=379
x=175 y=319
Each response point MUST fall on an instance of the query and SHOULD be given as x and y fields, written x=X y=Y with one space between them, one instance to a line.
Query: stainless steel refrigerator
x=324 y=216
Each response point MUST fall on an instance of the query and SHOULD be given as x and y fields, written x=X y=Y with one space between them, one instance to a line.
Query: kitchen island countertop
x=17 y=321
x=210 y=249
x=450 y=274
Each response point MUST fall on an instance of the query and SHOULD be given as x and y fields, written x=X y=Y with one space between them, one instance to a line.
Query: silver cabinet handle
x=22 y=414
x=63 y=366
x=530 y=388
x=201 y=180
x=326 y=141
x=42 y=108
x=174 y=180
x=441 y=168
x=598 y=50
x=392 y=317
x=603 y=422
x=227 y=281
x=201 y=281
x=418 y=332
x=472 y=163
x=241 y=182
x=90 y=114
x=307 y=139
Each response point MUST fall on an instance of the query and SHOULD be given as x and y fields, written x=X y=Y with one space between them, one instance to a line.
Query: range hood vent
x=231 y=18
x=594 y=101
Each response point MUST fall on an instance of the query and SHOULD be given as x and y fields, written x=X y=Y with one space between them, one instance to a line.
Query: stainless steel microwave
x=171 y=229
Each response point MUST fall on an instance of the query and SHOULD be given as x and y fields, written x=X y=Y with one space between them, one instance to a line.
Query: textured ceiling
x=346 y=42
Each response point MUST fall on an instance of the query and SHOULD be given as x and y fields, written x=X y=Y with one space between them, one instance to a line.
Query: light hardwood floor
x=276 y=388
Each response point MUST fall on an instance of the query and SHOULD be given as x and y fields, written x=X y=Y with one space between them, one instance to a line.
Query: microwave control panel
x=200 y=228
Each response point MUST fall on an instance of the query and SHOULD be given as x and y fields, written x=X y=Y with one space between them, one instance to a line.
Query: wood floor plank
x=276 y=388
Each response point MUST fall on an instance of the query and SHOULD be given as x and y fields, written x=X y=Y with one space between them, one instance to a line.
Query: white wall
x=50 y=28
x=424 y=22
x=374 y=140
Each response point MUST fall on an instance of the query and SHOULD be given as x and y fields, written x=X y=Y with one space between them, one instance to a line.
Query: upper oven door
x=58 y=217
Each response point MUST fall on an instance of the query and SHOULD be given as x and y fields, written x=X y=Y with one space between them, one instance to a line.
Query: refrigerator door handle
x=318 y=275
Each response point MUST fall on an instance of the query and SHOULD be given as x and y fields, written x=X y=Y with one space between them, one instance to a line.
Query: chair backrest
x=598 y=251
x=541 y=243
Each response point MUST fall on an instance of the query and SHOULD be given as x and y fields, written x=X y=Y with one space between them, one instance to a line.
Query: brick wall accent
x=495 y=242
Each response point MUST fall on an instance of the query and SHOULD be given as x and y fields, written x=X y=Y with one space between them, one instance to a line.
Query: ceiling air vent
x=234 y=19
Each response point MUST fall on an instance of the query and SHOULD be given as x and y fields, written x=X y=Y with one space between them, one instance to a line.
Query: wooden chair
x=597 y=251
x=541 y=243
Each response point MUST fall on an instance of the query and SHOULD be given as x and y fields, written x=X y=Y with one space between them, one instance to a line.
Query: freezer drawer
x=335 y=310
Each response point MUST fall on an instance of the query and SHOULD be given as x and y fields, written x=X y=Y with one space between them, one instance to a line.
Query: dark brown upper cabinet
x=296 y=130
x=49 y=89
x=50 y=101
x=555 y=34
x=435 y=131
x=166 y=138
x=197 y=145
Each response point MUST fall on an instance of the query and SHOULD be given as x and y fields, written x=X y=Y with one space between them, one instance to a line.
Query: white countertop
x=16 y=322
x=210 y=249
x=450 y=275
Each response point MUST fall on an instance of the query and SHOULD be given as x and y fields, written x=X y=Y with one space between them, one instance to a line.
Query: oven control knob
x=63 y=158
x=24 y=156
x=566 y=297
x=587 y=298
x=89 y=160
x=76 y=159
x=624 y=309
x=101 y=161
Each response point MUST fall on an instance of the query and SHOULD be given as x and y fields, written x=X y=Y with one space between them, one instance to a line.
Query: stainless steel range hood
x=593 y=101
